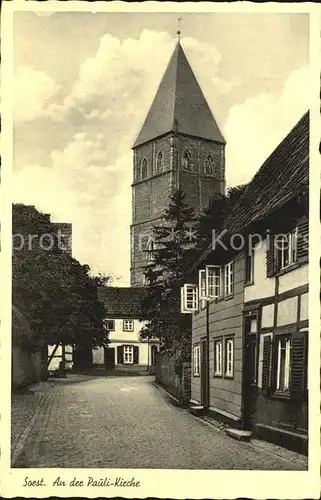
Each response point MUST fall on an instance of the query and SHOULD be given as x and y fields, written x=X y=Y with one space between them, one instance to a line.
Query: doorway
x=109 y=358
x=250 y=383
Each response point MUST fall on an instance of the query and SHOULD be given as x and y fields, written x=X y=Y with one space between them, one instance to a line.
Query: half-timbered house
x=249 y=298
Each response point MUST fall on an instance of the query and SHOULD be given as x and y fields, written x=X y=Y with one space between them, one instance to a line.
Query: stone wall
x=175 y=382
x=27 y=367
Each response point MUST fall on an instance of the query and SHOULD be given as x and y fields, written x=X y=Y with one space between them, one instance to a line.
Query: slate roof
x=282 y=176
x=179 y=105
x=122 y=302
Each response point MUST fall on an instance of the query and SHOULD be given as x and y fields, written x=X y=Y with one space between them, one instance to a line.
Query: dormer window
x=186 y=160
x=159 y=163
x=144 y=169
x=209 y=165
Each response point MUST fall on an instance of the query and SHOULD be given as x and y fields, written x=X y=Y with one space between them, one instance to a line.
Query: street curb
x=176 y=401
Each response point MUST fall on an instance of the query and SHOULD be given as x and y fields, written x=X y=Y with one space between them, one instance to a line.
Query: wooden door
x=249 y=382
x=204 y=373
x=109 y=357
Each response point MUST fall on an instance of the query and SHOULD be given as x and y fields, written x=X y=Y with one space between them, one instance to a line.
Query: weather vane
x=178 y=26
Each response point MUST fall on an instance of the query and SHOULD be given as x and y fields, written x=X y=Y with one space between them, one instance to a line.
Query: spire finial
x=178 y=30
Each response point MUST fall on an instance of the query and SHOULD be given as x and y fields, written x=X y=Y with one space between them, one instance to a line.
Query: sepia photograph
x=160 y=244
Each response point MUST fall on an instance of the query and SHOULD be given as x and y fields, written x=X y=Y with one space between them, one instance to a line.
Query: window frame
x=159 y=162
x=130 y=353
x=208 y=270
x=191 y=289
x=229 y=283
x=229 y=373
x=218 y=342
x=143 y=163
x=208 y=171
x=286 y=389
x=196 y=357
x=188 y=156
x=131 y=321
x=150 y=252
x=290 y=252
x=105 y=326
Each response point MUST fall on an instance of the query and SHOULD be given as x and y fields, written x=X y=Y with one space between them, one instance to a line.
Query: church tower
x=179 y=146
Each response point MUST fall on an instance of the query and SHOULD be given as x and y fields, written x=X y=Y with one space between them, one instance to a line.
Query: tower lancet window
x=144 y=169
x=150 y=250
x=159 y=163
x=187 y=160
x=209 y=165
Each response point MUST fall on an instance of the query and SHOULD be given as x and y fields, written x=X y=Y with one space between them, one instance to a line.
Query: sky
x=83 y=83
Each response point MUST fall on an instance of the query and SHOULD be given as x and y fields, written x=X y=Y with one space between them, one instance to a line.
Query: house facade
x=249 y=300
x=126 y=352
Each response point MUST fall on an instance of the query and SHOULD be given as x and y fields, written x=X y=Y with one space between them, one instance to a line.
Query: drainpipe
x=207 y=354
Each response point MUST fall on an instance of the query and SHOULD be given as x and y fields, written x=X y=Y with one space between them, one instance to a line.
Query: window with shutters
x=283 y=363
x=218 y=358
x=128 y=354
x=128 y=325
x=286 y=249
x=189 y=298
x=109 y=325
x=213 y=282
x=229 y=357
x=196 y=361
x=228 y=279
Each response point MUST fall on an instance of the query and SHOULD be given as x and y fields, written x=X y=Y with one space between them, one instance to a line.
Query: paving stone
x=91 y=422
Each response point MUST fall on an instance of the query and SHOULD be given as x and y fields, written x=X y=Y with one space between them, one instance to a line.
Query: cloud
x=83 y=188
x=255 y=127
x=97 y=118
x=33 y=91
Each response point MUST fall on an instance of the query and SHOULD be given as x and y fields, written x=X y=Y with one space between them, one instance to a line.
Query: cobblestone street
x=126 y=422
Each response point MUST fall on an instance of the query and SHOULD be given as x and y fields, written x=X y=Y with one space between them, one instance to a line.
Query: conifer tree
x=175 y=243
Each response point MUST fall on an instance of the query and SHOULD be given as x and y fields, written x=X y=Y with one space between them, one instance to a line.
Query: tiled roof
x=282 y=175
x=179 y=105
x=122 y=302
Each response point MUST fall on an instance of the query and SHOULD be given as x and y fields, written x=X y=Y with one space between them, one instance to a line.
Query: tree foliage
x=179 y=240
x=214 y=217
x=56 y=293
x=173 y=254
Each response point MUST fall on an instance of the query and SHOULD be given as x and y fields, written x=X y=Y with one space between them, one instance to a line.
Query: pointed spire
x=179 y=105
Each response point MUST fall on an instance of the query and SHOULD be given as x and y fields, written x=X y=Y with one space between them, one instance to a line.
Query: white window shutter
x=202 y=284
x=183 y=299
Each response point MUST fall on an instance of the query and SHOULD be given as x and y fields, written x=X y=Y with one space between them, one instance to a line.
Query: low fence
x=176 y=379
